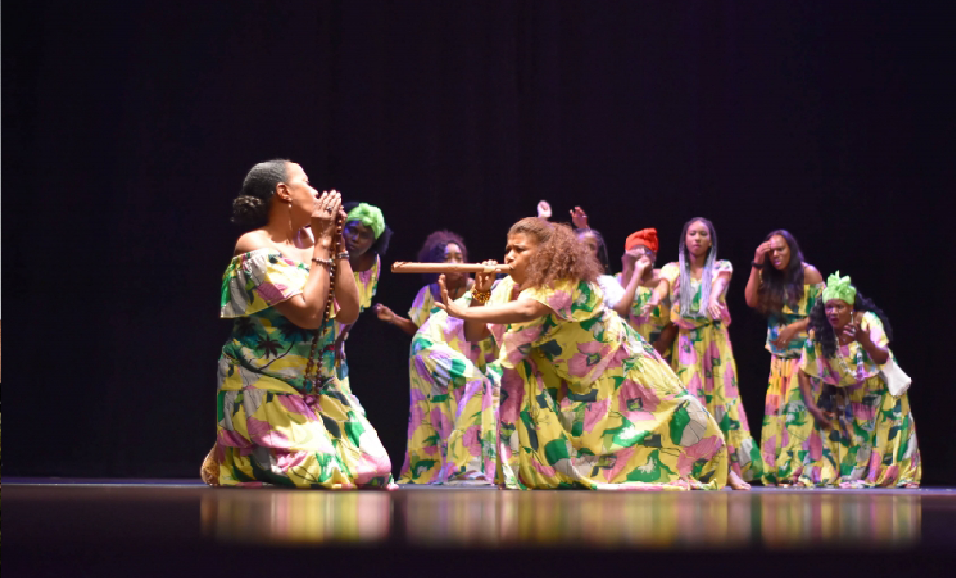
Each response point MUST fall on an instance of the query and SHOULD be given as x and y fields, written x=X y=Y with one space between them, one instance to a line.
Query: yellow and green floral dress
x=274 y=426
x=704 y=360
x=443 y=366
x=581 y=401
x=787 y=426
x=871 y=441
x=649 y=326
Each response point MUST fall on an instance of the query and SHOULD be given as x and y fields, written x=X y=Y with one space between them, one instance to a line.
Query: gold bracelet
x=480 y=297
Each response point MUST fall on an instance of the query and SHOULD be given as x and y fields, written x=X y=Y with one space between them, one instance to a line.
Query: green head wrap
x=839 y=288
x=368 y=215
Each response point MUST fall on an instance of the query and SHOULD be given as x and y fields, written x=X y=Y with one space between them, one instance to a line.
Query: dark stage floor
x=162 y=527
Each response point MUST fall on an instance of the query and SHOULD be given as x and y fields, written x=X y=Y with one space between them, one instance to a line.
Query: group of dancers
x=558 y=375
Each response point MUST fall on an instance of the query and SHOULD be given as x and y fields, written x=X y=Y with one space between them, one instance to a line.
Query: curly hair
x=381 y=244
x=779 y=288
x=433 y=251
x=250 y=209
x=559 y=256
x=823 y=332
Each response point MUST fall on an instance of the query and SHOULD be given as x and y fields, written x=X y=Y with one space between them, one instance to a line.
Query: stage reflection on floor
x=481 y=518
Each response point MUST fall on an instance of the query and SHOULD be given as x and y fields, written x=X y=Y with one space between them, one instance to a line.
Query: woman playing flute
x=575 y=399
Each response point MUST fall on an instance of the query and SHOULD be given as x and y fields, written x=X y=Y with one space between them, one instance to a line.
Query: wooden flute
x=409 y=267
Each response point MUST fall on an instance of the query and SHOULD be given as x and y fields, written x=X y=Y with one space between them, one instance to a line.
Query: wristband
x=480 y=297
x=322 y=261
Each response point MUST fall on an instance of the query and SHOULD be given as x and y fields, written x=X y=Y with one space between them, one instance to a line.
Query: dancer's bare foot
x=209 y=472
x=735 y=482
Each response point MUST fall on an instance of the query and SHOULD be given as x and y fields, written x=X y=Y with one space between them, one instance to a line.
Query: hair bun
x=249 y=212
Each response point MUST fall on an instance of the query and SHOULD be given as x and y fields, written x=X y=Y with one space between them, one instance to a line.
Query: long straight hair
x=706 y=278
x=780 y=288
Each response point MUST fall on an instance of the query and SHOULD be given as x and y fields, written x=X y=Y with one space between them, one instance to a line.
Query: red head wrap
x=646 y=237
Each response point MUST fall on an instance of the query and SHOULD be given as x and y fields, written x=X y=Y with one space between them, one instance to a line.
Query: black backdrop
x=128 y=126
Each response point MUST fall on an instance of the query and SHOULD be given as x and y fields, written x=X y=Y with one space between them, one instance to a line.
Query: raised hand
x=325 y=211
x=544 y=210
x=484 y=281
x=447 y=304
x=761 y=254
x=579 y=218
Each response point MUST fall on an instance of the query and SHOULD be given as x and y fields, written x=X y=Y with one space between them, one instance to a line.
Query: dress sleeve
x=367 y=282
x=811 y=361
x=871 y=324
x=722 y=267
x=422 y=307
x=815 y=364
x=613 y=292
x=517 y=339
x=259 y=279
x=570 y=301
x=813 y=293
x=670 y=273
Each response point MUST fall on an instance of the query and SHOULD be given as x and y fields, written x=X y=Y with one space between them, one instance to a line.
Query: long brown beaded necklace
x=311 y=367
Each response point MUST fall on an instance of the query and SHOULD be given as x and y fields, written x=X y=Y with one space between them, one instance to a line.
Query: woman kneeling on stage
x=284 y=417
x=575 y=399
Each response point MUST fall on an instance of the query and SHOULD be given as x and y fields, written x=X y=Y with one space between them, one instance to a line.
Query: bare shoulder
x=251 y=241
x=810 y=275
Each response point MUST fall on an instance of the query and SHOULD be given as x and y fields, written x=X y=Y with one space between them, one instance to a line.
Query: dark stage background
x=128 y=126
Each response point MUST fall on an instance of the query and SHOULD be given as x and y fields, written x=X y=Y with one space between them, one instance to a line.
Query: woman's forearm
x=799 y=326
x=666 y=338
x=876 y=353
x=520 y=311
x=405 y=324
x=308 y=307
x=623 y=307
x=753 y=285
x=476 y=330
x=806 y=391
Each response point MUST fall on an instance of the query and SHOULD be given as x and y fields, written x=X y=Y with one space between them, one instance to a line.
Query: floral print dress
x=871 y=442
x=704 y=360
x=576 y=399
x=443 y=367
x=787 y=426
x=274 y=426
x=649 y=326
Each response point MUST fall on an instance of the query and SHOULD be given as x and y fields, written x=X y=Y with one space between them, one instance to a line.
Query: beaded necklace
x=311 y=367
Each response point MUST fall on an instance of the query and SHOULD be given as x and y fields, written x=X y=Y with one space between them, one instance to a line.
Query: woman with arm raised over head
x=784 y=289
